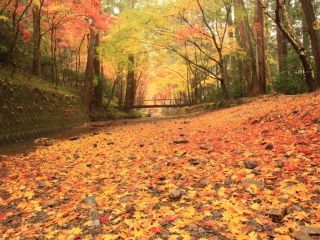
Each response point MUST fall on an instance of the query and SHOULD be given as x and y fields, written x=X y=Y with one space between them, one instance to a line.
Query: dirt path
x=247 y=172
x=89 y=128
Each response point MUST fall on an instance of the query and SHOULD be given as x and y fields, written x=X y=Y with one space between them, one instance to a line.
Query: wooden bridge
x=161 y=103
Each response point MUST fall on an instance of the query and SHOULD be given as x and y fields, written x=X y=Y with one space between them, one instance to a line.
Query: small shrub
x=237 y=90
x=290 y=84
x=217 y=94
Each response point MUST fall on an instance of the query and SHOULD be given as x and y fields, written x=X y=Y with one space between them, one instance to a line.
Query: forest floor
x=246 y=172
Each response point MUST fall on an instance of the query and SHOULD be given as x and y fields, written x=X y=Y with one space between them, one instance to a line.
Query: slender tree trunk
x=282 y=48
x=55 y=64
x=224 y=89
x=78 y=60
x=131 y=84
x=52 y=56
x=89 y=74
x=36 y=64
x=98 y=89
x=188 y=83
x=112 y=91
x=15 y=31
x=259 y=35
x=224 y=75
x=120 y=94
x=54 y=69
x=310 y=19
x=247 y=67
x=233 y=62
x=305 y=38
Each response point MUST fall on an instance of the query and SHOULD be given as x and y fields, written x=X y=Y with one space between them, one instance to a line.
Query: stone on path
x=269 y=147
x=181 y=141
x=74 y=138
x=248 y=181
x=194 y=161
x=46 y=142
x=130 y=209
x=306 y=233
x=91 y=201
x=175 y=195
x=250 y=164
x=277 y=214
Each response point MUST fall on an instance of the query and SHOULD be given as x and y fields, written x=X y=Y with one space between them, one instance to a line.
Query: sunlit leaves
x=74 y=231
x=316 y=24
x=3 y=18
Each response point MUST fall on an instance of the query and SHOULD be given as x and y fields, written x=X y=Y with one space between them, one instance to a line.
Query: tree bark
x=98 y=89
x=78 y=60
x=282 y=49
x=247 y=67
x=112 y=91
x=310 y=19
x=36 y=64
x=224 y=78
x=89 y=74
x=131 y=84
x=259 y=35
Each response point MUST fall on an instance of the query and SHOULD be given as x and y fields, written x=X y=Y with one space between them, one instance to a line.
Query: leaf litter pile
x=247 y=172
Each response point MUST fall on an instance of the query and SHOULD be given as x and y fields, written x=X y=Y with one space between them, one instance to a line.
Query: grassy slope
x=22 y=79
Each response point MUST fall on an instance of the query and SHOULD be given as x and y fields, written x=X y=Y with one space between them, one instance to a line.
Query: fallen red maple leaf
x=2 y=217
x=156 y=230
x=104 y=219
x=291 y=166
x=170 y=219
x=241 y=175
x=209 y=223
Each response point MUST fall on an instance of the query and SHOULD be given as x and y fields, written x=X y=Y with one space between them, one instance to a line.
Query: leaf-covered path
x=247 y=172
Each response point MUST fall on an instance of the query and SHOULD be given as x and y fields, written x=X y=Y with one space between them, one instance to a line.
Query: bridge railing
x=150 y=103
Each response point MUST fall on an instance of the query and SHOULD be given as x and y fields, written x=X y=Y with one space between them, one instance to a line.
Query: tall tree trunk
x=261 y=62
x=89 y=74
x=98 y=89
x=188 y=82
x=224 y=89
x=120 y=93
x=310 y=20
x=247 y=66
x=224 y=79
x=306 y=39
x=112 y=91
x=232 y=58
x=36 y=64
x=131 y=84
x=78 y=60
x=282 y=48
x=295 y=42
x=52 y=45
